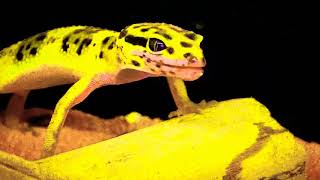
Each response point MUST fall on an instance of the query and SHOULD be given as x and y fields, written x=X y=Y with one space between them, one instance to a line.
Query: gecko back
x=58 y=56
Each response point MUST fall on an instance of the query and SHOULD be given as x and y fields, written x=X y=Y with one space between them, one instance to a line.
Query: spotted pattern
x=19 y=54
x=159 y=31
x=85 y=43
x=112 y=44
x=30 y=46
x=122 y=34
x=87 y=30
x=140 y=41
x=80 y=40
x=105 y=40
x=177 y=29
x=145 y=32
x=108 y=43
x=135 y=63
x=191 y=36
x=76 y=41
x=65 y=46
x=165 y=35
x=144 y=29
x=170 y=50
x=101 y=54
x=187 y=55
x=41 y=37
x=185 y=44
x=33 y=51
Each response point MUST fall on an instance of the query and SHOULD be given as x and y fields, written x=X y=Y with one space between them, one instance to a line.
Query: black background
x=253 y=49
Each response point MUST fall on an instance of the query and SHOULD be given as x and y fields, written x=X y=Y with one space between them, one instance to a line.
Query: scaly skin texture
x=92 y=57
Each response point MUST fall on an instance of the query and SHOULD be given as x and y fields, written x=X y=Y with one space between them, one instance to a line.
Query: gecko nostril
x=192 y=60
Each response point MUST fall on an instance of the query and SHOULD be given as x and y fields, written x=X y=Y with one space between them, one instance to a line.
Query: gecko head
x=161 y=50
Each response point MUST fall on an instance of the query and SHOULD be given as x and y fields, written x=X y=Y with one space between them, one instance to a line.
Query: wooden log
x=234 y=139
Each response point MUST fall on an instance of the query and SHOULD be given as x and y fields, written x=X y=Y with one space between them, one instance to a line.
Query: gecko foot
x=191 y=108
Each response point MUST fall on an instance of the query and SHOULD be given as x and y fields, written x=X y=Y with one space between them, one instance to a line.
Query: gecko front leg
x=76 y=94
x=182 y=100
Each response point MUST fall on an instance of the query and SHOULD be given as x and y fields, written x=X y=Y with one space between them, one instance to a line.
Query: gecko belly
x=43 y=77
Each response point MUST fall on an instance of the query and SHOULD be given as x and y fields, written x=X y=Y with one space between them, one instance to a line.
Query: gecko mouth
x=188 y=69
x=185 y=72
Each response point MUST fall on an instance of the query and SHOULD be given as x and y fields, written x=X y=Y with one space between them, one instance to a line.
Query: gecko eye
x=156 y=45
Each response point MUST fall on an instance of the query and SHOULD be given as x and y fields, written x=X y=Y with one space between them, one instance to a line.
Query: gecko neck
x=110 y=52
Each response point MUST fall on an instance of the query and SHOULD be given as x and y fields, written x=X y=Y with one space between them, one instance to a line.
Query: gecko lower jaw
x=182 y=72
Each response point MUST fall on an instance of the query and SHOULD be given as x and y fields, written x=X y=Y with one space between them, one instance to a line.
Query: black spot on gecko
x=141 y=56
x=186 y=55
x=41 y=37
x=185 y=44
x=165 y=35
x=101 y=54
x=85 y=42
x=135 y=63
x=91 y=30
x=79 y=31
x=76 y=41
x=28 y=46
x=19 y=54
x=157 y=28
x=80 y=48
x=170 y=50
x=111 y=45
x=140 y=41
x=65 y=46
x=144 y=29
x=105 y=40
x=123 y=33
x=33 y=51
x=158 y=65
x=51 y=40
x=191 y=36
x=176 y=29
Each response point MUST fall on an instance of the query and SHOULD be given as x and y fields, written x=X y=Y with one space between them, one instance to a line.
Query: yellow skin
x=92 y=57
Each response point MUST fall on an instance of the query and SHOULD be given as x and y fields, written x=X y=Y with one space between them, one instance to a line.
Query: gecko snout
x=195 y=62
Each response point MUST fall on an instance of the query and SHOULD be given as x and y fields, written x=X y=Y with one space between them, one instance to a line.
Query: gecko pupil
x=156 y=45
